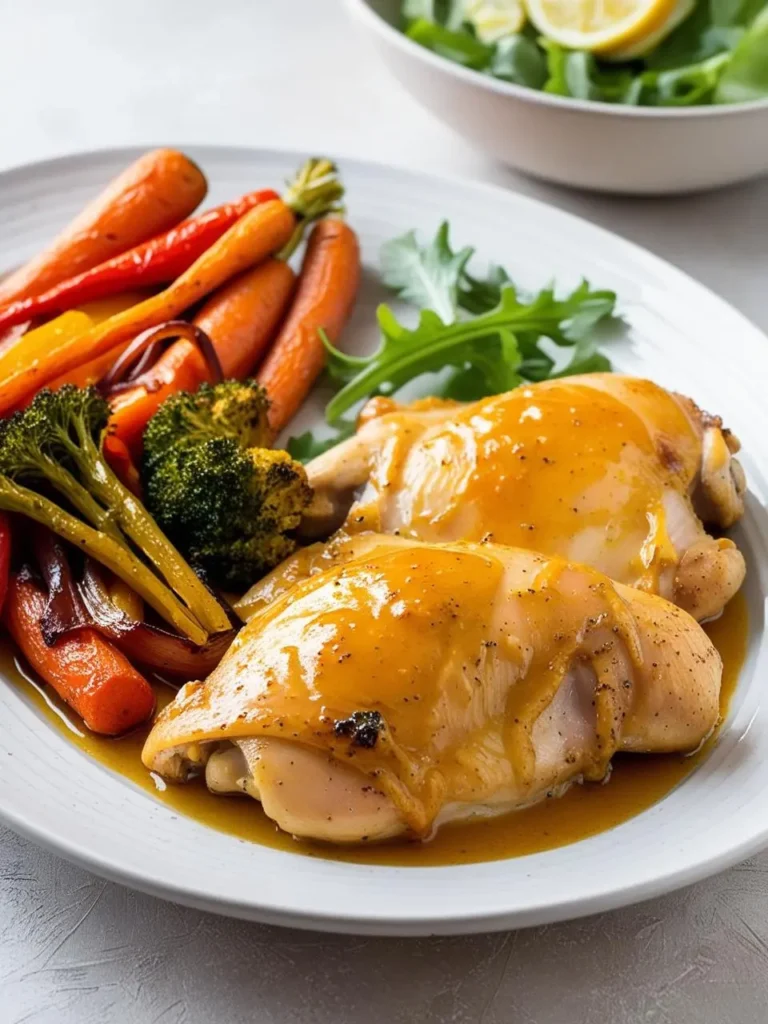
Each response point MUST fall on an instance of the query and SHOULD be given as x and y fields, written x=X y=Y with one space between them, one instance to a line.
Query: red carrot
x=154 y=193
x=155 y=262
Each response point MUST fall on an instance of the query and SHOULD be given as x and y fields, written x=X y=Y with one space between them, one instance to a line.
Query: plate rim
x=449 y=922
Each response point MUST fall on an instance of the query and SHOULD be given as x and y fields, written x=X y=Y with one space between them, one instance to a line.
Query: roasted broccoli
x=229 y=502
x=232 y=408
x=57 y=444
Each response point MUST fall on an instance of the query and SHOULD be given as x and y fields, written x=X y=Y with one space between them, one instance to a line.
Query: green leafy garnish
x=745 y=78
x=449 y=13
x=577 y=74
x=494 y=344
x=308 y=446
x=460 y=47
x=520 y=60
x=427 y=276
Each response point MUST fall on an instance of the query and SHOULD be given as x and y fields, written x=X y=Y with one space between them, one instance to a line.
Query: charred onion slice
x=87 y=605
x=134 y=366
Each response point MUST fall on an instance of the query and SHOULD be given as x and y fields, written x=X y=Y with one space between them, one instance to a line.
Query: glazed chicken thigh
x=611 y=471
x=402 y=684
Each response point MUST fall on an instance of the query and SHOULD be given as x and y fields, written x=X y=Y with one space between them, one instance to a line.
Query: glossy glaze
x=636 y=783
x=458 y=650
x=567 y=468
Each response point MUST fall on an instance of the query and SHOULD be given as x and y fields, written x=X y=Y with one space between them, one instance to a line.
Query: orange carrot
x=157 y=191
x=240 y=319
x=87 y=373
x=330 y=275
x=119 y=458
x=86 y=671
x=251 y=240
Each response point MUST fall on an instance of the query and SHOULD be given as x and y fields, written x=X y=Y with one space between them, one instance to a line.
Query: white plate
x=681 y=335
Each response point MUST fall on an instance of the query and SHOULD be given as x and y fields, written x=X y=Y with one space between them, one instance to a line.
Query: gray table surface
x=75 y=949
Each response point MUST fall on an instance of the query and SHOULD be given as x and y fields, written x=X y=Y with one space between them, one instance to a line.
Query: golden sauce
x=636 y=783
x=565 y=467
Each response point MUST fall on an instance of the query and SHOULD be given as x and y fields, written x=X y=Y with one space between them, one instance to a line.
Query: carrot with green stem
x=157 y=191
x=255 y=236
x=328 y=284
x=240 y=319
x=157 y=261
x=264 y=230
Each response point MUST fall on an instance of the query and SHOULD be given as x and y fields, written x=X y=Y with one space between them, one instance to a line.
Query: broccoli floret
x=229 y=502
x=230 y=509
x=57 y=443
x=232 y=408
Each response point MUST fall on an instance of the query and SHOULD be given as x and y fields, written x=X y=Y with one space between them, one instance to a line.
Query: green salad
x=699 y=52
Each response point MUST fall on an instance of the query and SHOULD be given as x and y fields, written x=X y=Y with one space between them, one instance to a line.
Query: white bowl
x=635 y=150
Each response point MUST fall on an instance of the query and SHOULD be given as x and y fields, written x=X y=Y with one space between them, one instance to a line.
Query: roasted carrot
x=157 y=261
x=5 y=555
x=240 y=318
x=157 y=191
x=119 y=458
x=94 y=370
x=328 y=283
x=11 y=335
x=86 y=671
x=253 y=238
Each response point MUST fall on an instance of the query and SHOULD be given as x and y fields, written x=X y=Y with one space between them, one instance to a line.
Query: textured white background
x=76 y=950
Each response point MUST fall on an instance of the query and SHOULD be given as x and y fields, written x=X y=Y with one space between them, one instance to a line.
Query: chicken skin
x=400 y=685
x=611 y=471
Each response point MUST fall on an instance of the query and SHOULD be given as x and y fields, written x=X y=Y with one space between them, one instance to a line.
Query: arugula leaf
x=428 y=276
x=518 y=59
x=488 y=342
x=687 y=86
x=712 y=27
x=477 y=295
x=577 y=74
x=449 y=13
x=746 y=76
x=585 y=359
x=460 y=47
x=305 y=447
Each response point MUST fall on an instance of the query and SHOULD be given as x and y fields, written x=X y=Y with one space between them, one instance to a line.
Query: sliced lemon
x=644 y=46
x=492 y=20
x=601 y=26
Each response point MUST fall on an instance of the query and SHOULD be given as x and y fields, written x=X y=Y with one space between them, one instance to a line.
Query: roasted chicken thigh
x=608 y=470
x=400 y=685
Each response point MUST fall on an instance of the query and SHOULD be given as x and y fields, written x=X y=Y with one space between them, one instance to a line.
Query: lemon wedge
x=603 y=27
x=492 y=20
x=640 y=48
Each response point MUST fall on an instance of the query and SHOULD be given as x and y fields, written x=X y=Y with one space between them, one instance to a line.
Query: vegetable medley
x=149 y=359
x=665 y=53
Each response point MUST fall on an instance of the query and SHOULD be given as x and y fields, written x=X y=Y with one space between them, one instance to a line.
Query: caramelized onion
x=135 y=364
x=146 y=644
x=87 y=605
